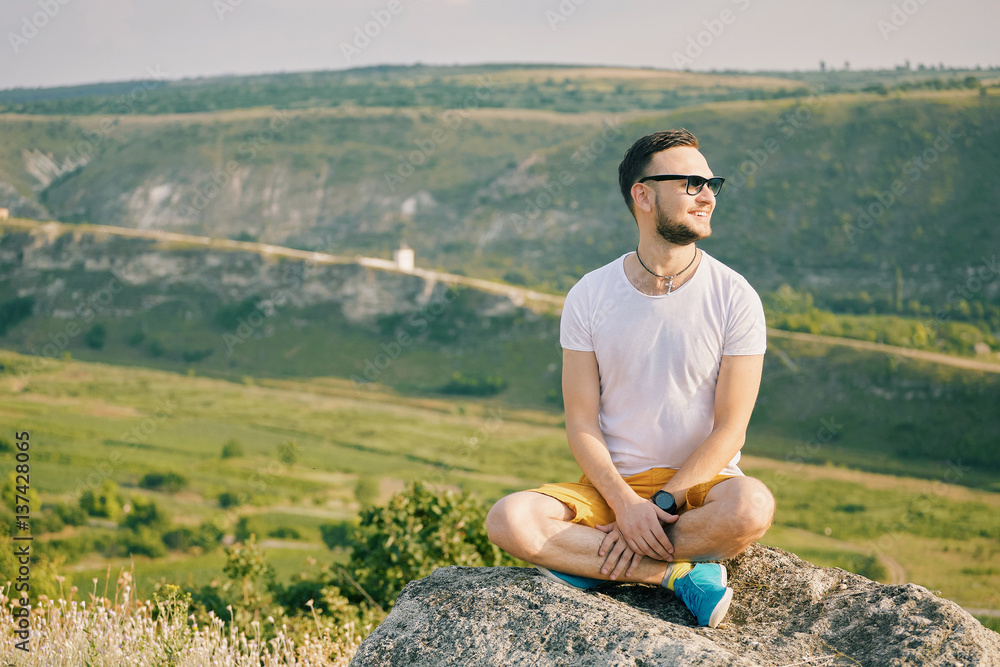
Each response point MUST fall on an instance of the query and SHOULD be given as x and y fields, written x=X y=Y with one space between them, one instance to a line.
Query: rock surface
x=785 y=611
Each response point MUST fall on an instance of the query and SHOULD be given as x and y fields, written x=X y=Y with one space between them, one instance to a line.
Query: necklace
x=669 y=279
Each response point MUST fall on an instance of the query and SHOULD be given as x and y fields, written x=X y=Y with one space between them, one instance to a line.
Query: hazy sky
x=59 y=42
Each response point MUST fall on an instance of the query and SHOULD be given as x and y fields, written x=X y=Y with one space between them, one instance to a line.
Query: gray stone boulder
x=785 y=612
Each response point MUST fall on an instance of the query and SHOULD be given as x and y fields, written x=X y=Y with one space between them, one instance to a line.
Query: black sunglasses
x=694 y=183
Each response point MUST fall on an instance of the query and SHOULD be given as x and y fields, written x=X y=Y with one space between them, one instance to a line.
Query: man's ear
x=640 y=195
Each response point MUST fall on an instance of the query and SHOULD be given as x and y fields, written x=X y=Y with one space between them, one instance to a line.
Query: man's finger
x=609 y=539
x=607 y=528
x=613 y=557
x=660 y=536
x=635 y=564
x=653 y=547
x=623 y=562
x=665 y=517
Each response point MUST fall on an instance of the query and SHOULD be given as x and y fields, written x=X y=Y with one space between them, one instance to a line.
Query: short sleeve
x=575 y=331
x=746 y=330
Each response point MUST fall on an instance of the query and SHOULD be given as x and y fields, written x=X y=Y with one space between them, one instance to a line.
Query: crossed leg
x=538 y=529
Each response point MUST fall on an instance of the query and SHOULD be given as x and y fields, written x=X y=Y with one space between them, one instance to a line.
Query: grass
x=127 y=632
x=942 y=535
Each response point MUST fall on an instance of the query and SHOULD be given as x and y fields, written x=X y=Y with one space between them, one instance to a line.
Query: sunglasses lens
x=715 y=184
x=695 y=184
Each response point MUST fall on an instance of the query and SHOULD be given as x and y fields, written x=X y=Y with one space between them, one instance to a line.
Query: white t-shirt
x=659 y=357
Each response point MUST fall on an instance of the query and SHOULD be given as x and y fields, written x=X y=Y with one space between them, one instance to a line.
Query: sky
x=65 y=42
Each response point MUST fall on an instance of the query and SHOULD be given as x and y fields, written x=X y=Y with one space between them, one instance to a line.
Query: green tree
x=417 y=531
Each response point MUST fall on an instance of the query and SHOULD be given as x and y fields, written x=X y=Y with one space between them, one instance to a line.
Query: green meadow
x=89 y=422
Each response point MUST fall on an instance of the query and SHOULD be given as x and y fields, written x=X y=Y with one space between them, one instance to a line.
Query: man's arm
x=638 y=519
x=735 y=395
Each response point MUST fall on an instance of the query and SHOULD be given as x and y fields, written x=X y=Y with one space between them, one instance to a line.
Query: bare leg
x=736 y=513
x=536 y=528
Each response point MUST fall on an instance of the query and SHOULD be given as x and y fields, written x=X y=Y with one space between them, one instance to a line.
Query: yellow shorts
x=591 y=508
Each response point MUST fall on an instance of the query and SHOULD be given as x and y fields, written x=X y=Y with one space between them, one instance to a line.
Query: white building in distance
x=403 y=257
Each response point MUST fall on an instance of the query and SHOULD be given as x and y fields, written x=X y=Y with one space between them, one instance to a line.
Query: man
x=662 y=356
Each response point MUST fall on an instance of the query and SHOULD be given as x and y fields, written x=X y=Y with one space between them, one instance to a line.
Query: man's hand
x=639 y=526
x=620 y=555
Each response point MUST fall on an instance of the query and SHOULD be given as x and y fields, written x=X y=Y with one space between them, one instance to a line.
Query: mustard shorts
x=591 y=508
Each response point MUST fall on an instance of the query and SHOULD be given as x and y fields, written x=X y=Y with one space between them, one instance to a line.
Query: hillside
x=232 y=312
x=92 y=422
x=482 y=181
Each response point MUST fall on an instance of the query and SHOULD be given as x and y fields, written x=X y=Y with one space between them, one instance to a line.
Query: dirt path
x=519 y=295
x=934 y=357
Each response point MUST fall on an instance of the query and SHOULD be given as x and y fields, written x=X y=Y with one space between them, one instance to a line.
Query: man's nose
x=705 y=196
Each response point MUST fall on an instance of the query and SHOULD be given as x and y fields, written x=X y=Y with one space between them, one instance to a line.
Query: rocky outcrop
x=785 y=612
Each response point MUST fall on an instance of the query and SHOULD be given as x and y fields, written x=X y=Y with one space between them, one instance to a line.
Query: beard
x=675 y=232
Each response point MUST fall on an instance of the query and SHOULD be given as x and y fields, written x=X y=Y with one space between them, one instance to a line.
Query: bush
x=145 y=514
x=169 y=482
x=70 y=515
x=135 y=339
x=232 y=449
x=285 y=533
x=228 y=499
x=142 y=542
x=192 y=356
x=416 y=532
x=474 y=386
x=337 y=534
x=95 y=337
x=106 y=502
x=15 y=311
x=288 y=452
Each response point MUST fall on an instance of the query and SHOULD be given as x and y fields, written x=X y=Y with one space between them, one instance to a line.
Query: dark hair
x=638 y=157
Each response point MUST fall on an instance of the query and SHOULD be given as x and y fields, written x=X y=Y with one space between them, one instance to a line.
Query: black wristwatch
x=665 y=502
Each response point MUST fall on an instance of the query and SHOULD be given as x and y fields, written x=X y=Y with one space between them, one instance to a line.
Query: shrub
x=94 y=338
x=192 y=356
x=285 y=533
x=474 y=386
x=228 y=499
x=145 y=514
x=337 y=534
x=416 y=532
x=142 y=542
x=135 y=339
x=169 y=482
x=232 y=449
x=288 y=452
x=106 y=502
x=15 y=311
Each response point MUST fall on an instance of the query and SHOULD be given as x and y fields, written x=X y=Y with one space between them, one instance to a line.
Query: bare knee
x=754 y=508
x=514 y=523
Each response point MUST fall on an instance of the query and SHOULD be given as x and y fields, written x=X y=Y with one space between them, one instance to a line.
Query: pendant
x=670 y=285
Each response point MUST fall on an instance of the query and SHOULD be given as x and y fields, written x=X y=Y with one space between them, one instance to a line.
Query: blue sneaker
x=701 y=591
x=582 y=583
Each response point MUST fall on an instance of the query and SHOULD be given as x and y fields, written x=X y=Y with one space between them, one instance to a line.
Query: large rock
x=785 y=611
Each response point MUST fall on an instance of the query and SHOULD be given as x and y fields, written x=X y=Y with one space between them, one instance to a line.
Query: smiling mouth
x=700 y=214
